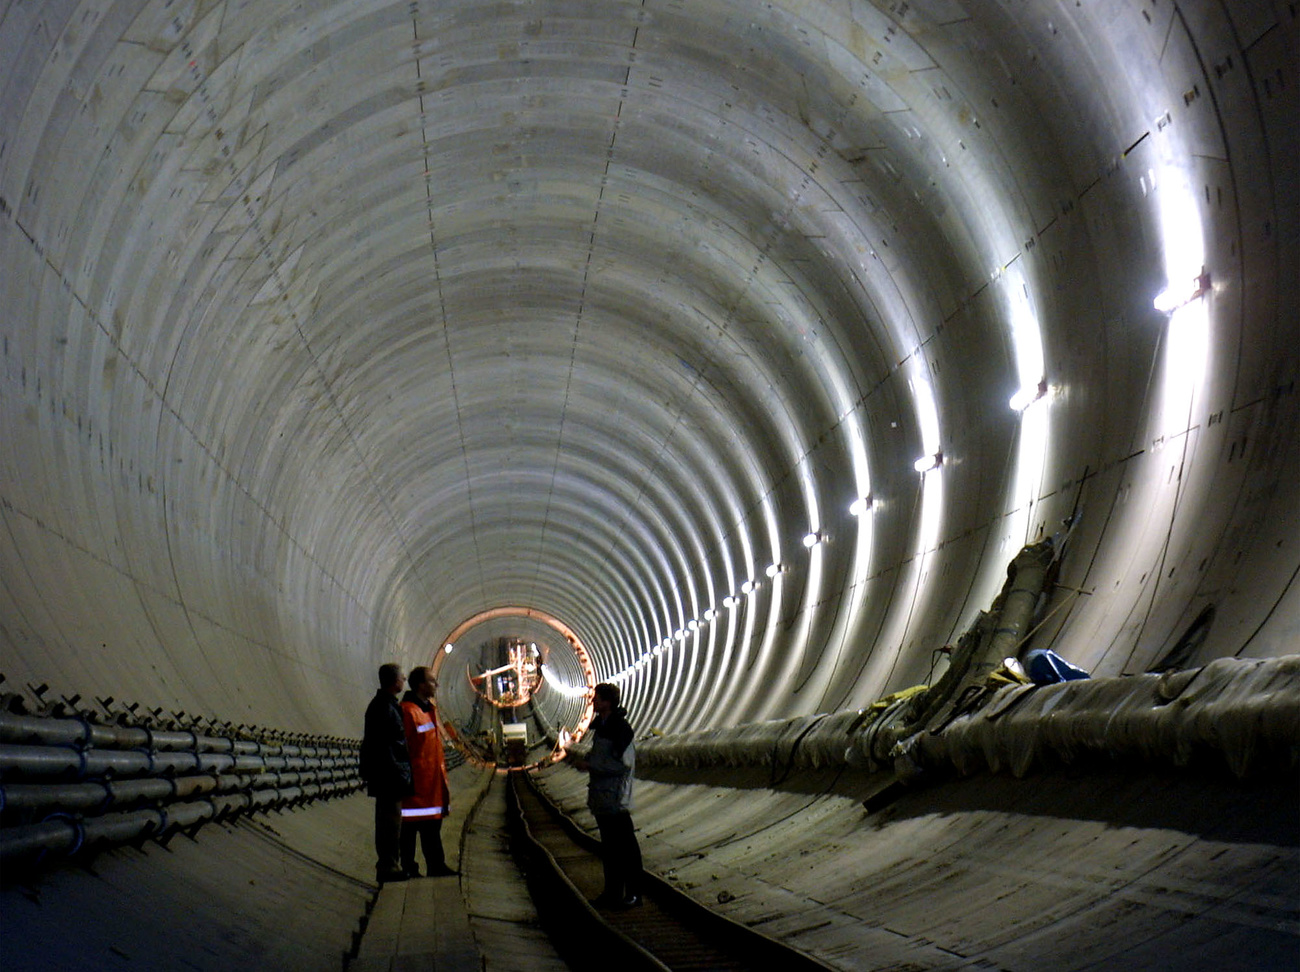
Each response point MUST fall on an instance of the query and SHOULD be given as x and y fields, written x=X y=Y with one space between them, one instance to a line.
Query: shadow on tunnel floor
x=1205 y=801
x=1212 y=805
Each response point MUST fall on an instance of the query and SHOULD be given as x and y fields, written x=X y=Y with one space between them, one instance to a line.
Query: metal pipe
x=28 y=729
x=173 y=739
x=214 y=762
x=55 y=732
x=181 y=816
x=39 y=760
x=83 y=796
x=169 y=763
x=188 y=786
x=89 y=795
x=59 y=836
x=93 y=777
x=70 y=796
x=29 y=761
x=119 y=828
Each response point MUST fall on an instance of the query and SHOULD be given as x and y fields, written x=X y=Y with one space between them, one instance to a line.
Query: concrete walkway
x=422 y=924
x=419 y=924
x=426 y=924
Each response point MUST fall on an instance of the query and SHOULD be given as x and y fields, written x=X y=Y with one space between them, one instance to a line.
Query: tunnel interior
x=742 y=344
x=513 y=668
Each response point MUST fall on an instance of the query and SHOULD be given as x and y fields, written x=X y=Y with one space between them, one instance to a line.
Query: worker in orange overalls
x=423 y=811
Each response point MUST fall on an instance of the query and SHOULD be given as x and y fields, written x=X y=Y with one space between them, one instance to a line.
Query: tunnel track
x=668 y=931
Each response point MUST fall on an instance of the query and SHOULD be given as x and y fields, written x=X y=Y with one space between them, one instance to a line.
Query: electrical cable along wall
x=73 y=781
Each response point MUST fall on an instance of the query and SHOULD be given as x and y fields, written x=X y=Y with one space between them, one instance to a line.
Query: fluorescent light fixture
x=730 y=601
x=926 y=463
x=860 y=506
x=773 y=569
x=748 y=587
x=1169 y=300
x=680 y=634
x=694 y=625
x=710 y=614
x=1022 y=399
x=927 y=412
x=1165 y=302
x=811 y=540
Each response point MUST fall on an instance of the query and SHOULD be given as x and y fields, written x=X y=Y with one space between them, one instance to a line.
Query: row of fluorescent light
x=814 y=538
x=1021 y=401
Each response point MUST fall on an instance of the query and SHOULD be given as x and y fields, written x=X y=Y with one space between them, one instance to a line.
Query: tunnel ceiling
x=329 y=325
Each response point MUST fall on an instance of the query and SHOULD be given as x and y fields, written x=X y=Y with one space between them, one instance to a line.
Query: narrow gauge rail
x=668 y=931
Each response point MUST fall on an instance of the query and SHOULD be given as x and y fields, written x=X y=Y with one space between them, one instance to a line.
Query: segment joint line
x=582 y=298
x=421 y=86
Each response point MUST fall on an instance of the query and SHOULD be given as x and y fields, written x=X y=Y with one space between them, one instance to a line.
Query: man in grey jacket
x=611 y=763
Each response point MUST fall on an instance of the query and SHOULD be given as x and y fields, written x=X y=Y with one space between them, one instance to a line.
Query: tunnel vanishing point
x=752 y=342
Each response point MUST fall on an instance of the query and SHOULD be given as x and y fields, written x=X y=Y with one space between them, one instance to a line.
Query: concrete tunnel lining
x=325 y=328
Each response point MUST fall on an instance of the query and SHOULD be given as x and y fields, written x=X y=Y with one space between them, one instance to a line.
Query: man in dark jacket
x=612 y=763
x=386 y=768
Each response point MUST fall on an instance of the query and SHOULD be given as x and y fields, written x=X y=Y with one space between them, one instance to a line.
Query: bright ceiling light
x=926 y=463
x=811 y=540
x=1169 y=300
x=1165 y=302
x=748 y=587
x=710 y=614
x=448 y=647
x=861 y=506
x=1022 y=399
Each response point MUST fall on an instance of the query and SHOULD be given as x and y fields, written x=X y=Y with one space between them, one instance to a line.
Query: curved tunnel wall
x=327 y=328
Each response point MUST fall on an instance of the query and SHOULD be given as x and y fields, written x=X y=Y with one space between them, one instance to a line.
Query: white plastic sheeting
x=1245 y=711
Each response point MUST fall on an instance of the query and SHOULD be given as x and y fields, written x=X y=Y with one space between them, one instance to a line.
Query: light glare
x=926 y=463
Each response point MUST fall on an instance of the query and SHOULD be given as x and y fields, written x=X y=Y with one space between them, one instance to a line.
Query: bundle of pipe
x=867 y=737
x=70 y=785
x=1243 y=712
